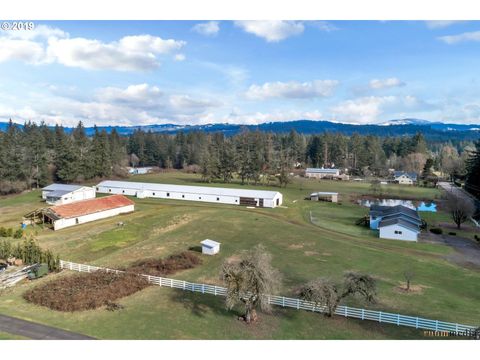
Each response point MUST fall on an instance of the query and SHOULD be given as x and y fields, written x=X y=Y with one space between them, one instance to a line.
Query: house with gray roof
x=59 y=194
x=395 y=222
x=405 y=178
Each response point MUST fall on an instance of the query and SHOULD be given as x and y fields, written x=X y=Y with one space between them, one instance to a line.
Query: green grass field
x=302 y=249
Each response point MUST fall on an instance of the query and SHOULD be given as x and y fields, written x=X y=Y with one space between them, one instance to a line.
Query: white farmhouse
x=320 y=173
x=232 y=196
x=405 y=178
x=210 y=247
x=58 y=194
x=81 y=212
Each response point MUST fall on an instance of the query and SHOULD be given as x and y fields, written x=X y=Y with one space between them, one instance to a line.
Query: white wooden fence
x=363 y=314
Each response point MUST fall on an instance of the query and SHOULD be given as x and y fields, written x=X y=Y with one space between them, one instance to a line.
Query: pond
x=417 y=205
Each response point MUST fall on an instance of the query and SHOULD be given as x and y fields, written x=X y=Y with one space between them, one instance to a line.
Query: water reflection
x=416 y=205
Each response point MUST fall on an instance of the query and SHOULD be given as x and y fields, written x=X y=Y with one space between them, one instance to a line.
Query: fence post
x=298 y=304
x=379 y=316
x=203 y=288
x=363 y=314
x=283 y=301
x=215 y=290
x=184 y=284
x=346 y=311
x=416 y=323
x=436 y=325
x=456 y=328
x=398 y=319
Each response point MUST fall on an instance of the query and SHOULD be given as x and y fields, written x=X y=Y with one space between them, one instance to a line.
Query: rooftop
x=207 y=190
x=209 y=243
x=90 y=206
x=322 y=170
x=401 y=222
x=62 y=187
x=411 y=175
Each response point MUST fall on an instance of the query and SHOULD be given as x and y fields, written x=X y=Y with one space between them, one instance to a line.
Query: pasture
x=307 y=240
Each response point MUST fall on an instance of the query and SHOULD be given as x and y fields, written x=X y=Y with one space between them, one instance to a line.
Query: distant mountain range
x=398 y=127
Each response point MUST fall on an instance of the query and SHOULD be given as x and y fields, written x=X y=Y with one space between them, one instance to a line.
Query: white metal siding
x=388 y=232
x=63 y=223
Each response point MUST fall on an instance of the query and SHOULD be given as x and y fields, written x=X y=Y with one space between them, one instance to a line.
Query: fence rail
x=346 y=311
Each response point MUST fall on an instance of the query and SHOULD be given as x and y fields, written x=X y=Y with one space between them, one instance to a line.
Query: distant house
x=320 y=173
x=80 y=212
x=405 y=178
x=324 y=196
x=58 y=194
x=395 y=222
x=139 y=170
x=210 y=247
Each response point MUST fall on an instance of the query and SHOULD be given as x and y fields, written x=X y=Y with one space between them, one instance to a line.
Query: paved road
x=36 y=331
x=455 y=190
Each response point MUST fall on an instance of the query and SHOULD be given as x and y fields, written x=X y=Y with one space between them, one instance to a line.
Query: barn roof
x=206 y=190
x=62 y=187
x=90 y=206
x=320 y=170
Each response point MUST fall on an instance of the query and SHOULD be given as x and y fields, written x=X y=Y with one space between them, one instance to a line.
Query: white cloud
x=322 y=25
x=368 y=109
x=292 y=90
x=440 y=24
x=179 y=57
x=22 y=50
x=131 y=53
x=188 y=104
x=141 y=95
x=38 y=32
x=272 y=30
x=45 y=44
x=464 y=37
x=210 y=28
x=254 y=118
x=385 y=83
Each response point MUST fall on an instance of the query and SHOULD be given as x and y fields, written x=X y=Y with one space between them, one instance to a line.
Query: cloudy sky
x=248 y=72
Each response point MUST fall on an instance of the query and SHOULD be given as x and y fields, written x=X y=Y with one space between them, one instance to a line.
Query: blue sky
x=192 y=72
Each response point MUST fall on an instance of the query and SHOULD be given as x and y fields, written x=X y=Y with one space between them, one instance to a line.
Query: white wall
x=388 y=232
x=84 y=193
x=404 y=180
x=220 y=199
x=63 y=223
x=210 y=251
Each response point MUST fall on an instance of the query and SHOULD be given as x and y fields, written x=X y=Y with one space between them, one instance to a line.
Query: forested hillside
x=34 y=155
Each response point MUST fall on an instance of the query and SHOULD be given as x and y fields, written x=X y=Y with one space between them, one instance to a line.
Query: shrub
x=477 y=238
x=452 y=233
x=170 y=265
x=3 y=232
x=18 y=234
x=437 y=231
x=86 y=291
x=12 y=187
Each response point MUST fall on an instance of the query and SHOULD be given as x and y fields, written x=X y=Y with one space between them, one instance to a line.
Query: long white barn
x=257 y=198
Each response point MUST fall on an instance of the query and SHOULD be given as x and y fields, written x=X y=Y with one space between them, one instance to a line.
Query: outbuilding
x=324 y=196
x=210 y=247
x=395 y=222
x=398 y=229
x=232 y=196
x=58 y=194
x=320 y=173
x=81 y=212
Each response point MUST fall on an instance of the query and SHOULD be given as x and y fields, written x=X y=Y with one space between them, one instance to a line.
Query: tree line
x=35 y=155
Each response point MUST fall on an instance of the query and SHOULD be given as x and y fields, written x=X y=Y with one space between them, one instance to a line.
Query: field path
x=36 y=331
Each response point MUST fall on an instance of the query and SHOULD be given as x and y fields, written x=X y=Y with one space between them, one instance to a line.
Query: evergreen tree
x=472 y=183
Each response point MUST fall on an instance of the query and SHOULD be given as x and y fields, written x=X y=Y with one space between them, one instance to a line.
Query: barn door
x=247 y=201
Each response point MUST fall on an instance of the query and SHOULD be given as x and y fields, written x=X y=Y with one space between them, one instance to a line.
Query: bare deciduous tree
x=460 y=208
x=322 y=292
x=249 y=279
x=408 y=275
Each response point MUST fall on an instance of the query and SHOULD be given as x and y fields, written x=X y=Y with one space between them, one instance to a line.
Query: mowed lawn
x=307 y=240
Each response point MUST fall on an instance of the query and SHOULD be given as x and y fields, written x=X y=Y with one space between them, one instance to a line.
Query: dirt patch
x=310 y=253
x=295 y=246
x=85 y=291
x=326 y=254
x=174 y=223
x=414 y=288
x=170 y=265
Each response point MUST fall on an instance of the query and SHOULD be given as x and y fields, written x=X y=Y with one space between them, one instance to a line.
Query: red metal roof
x=91 y=206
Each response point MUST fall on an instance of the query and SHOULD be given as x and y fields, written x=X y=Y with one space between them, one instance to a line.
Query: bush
x=170 y=265
x=477 y=238
x=12 y=187
x=18 y=234
x=3 y=232
x=437 y=231
x=86 y=291
x=452 y=233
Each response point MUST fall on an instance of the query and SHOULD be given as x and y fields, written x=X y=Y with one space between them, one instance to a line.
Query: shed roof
x=320 y=193
x=62 y=187
x=379 y=210
x=321 y=170
x=206 y=190
x=209 y=243
x=90 y=206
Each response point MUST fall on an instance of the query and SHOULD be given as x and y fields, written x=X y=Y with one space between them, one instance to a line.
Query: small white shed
x=210 y=247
